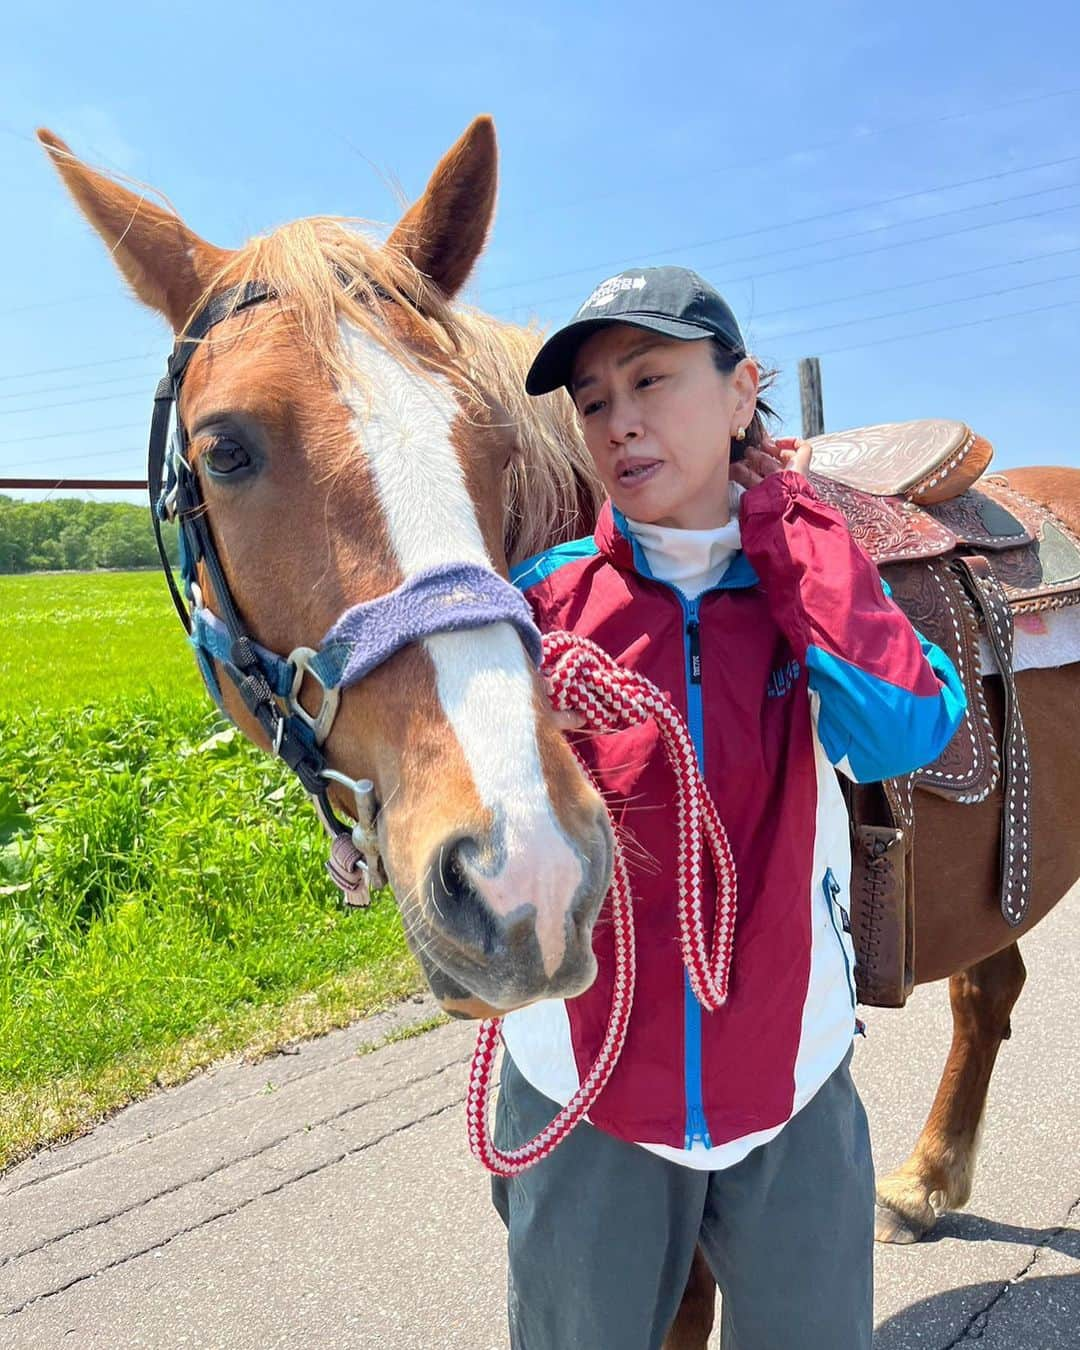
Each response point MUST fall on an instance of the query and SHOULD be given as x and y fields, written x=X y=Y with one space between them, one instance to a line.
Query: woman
x=717 y=572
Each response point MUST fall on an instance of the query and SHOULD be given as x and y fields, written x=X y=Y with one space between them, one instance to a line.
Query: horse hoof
x=897 y=1229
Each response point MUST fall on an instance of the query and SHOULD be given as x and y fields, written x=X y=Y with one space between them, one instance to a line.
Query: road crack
x=976 y=1326
x=233 y=1161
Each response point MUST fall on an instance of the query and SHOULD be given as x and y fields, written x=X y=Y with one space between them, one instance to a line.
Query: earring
x=740 y=435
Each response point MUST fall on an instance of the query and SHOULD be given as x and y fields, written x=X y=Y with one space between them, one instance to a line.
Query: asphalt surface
x=326 y=1197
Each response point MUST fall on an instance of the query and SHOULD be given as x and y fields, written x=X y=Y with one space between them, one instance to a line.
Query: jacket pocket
x=841 y=925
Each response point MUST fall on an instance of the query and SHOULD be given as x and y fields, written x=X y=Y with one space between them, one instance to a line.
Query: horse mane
x=552 y=492
x=325 y=269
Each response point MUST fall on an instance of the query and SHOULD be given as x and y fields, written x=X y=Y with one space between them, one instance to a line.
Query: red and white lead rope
x=583 y=678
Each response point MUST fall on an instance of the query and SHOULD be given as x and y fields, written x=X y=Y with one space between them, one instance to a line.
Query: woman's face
x=658 y=419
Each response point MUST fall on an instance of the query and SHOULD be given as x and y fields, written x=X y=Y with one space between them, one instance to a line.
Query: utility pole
x=813 y=410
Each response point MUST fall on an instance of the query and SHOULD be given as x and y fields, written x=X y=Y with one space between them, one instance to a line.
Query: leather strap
x=993 y=605
x=882 y=931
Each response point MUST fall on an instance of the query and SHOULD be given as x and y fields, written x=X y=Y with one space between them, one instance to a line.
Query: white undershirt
x=692 y=560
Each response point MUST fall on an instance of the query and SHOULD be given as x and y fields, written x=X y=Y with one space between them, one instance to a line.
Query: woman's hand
x=789 y=452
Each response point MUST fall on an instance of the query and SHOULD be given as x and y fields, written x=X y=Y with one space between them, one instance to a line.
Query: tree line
x=69 y=534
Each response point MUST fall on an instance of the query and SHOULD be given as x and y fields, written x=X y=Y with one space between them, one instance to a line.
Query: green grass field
x=163 y=897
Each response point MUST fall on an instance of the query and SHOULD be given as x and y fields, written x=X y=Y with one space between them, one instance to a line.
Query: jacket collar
x=618 y=545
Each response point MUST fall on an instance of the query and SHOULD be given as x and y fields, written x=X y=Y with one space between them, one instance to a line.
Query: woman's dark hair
x=725 y=361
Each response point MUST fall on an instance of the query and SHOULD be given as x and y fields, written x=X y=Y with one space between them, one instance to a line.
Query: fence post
x=813 y=410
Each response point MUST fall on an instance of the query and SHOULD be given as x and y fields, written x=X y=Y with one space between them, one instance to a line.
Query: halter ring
x=319 y=725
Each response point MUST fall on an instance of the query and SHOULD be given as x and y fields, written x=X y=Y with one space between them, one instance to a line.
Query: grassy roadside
x=36 y=1114
x=163 y=897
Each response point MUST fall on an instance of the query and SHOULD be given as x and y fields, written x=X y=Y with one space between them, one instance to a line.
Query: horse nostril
x=458 y=906
x=455 y=869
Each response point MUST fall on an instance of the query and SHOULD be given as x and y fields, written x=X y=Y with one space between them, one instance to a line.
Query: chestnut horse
x=359 y=427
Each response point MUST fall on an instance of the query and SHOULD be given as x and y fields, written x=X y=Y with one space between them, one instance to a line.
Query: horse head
x=349 y=433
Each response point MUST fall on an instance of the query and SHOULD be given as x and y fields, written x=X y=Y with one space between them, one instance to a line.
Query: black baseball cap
x=670 y=300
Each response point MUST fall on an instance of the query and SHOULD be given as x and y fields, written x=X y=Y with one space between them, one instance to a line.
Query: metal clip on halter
x=355 y=864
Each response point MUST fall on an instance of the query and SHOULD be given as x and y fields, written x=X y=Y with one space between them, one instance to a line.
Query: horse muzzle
x=495 y=927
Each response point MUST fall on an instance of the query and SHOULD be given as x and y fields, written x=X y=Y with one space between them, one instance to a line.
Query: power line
x=919 y=309
x=55 y=304
x=79 y=431
x=900 y=243
x=949 y=328
x=84 y=365
x=704 y=243
x=819 y=328
x=857 y=234
x=70 y=388
x=74 y=459
x=909 y=285
x=788 y=224
x=815 y=329
x=759 y=162
x=725 y=238
x=860 y=295
x=766 y=314
x=854 y=253
x=76 y=402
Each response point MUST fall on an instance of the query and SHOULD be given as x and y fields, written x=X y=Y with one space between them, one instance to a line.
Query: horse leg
x=694 y=1321
x=939 y=1172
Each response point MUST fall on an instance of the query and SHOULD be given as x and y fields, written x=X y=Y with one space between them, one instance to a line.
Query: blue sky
x=854 y=177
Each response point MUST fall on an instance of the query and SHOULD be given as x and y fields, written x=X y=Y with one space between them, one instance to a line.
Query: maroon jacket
x=797 y=661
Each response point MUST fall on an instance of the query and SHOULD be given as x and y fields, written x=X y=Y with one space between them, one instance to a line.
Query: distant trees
x=73 y=534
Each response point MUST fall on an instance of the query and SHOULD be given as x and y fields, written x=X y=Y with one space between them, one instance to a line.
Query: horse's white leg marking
x=403 y=424
x=961 y=1173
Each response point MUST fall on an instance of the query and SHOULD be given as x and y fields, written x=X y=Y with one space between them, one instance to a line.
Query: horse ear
x=444 y=232
x=167 y=266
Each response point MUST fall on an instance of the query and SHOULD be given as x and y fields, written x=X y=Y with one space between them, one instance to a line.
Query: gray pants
x=601 y=1233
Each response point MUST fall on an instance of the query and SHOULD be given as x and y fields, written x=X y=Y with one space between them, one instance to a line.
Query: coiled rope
x=584 y=679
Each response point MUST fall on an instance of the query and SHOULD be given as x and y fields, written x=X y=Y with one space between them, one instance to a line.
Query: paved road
x=326 y=1198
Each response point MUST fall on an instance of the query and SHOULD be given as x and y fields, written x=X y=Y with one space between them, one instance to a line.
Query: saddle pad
x=924 y=461
x=1042 y=641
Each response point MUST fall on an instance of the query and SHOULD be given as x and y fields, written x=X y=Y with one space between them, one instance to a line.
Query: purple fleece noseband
x=448 y=598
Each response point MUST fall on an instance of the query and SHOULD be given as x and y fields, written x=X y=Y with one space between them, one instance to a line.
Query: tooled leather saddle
x=962 y=554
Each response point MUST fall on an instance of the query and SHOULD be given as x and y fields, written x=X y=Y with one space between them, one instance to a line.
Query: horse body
x=389 y=432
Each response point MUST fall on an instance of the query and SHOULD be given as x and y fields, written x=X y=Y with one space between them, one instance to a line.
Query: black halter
x=175 y=492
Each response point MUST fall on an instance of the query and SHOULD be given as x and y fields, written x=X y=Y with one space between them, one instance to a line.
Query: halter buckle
x=319 y=725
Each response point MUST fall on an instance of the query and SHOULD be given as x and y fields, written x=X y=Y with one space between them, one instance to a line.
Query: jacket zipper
x=831 y=887
x=697 y=1129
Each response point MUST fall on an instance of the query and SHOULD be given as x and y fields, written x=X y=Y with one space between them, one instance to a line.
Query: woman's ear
x=745 y=377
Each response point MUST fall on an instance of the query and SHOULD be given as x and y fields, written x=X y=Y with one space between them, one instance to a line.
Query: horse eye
x=225 y=457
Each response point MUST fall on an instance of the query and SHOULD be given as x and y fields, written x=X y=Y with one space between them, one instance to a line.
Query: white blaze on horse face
x=403 y=424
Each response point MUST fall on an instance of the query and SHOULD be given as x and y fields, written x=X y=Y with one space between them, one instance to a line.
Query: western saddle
x=961 y=560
